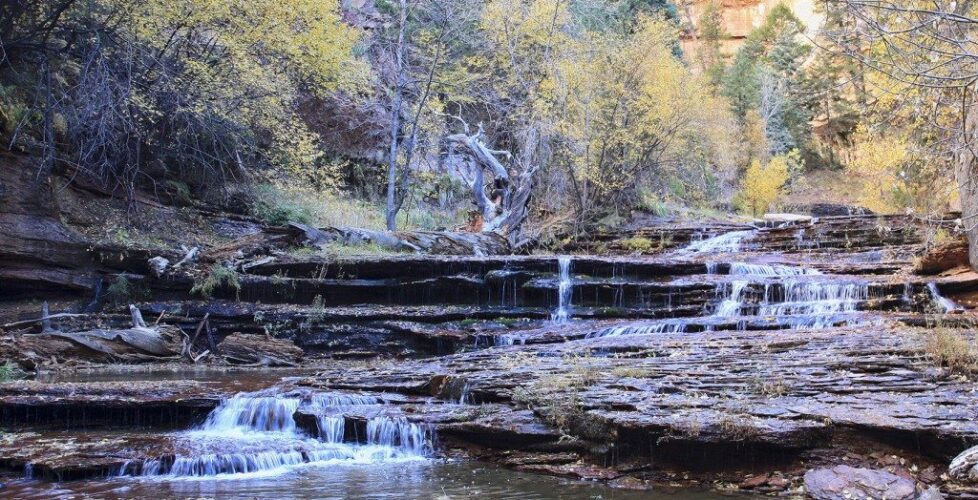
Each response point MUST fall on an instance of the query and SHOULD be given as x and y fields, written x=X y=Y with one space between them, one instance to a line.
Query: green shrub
x=271 y=206
x=123 y=291
x=218 y=276
x=637 y=244
x=8 y=371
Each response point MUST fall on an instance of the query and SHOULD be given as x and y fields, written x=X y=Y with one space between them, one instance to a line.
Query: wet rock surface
x=843 y=483
x=736 y=356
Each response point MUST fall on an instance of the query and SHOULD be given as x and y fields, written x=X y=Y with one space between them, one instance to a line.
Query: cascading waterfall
x=565 y=291
x=788 y=296
x=945 y=304
x=255 y=413
x=640 y=329
x=747 y=269
x=726 y=242
x=251 y=433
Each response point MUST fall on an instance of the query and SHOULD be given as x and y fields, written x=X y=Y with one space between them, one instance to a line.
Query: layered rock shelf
x=737 y=355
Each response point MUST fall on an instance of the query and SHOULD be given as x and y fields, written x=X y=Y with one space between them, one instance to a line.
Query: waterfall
x=945 y=304
x=746 y=269
x=251 y=433
x=730 y=306
x=726 y=242
x=640 y=329
x=511 y=338
x=262 y=413
x=565 y=292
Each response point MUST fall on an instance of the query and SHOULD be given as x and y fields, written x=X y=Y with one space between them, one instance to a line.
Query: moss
x=637 y=244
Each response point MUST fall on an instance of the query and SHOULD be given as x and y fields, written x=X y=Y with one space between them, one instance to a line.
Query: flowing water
x=269 y=439
x=565 y=291
x=429 y=480
x=943 y=303
x=257 y=433
x=726 y=242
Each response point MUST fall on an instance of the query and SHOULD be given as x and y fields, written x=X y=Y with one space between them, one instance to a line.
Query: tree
x=765 y=76
x=199 y=91
x=763 y=185
x=924 y=51
x=711 y=36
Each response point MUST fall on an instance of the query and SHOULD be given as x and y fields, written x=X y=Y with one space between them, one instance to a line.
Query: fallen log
x=259 y=350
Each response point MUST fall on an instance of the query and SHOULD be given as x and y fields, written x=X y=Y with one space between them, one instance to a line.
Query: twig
x=42 y=319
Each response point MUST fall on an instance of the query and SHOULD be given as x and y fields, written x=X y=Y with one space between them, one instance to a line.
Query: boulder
x=942 y=257
x=964 y=467
x=843 y=482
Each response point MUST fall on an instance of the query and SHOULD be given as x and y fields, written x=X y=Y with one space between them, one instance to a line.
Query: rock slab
x=843 y=482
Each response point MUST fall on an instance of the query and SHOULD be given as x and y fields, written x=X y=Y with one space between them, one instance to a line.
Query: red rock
x=754 y=482
x=843 y=482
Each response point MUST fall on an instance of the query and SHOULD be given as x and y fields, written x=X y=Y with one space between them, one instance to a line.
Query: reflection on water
x=412 y=480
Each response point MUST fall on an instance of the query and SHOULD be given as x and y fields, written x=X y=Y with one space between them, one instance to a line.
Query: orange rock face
x=740 y=17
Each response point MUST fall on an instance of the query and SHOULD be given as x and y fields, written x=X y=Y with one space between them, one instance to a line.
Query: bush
x=219 y=276
x=949 y=349
x=8 y=371
x=271 y=207
x=637 y=244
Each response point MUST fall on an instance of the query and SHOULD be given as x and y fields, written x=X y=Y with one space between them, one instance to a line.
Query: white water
x=671 y=326
x=747 y=269
x=945 y=304
x=251 y=433
x=726 y=242
x=788 y=296
x=565 y=291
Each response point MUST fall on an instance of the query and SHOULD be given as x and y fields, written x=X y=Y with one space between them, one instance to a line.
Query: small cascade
x=726 y=242
x=730 y=306
x=507 y=339
x=746 y=269
x=945 y=304
x=251 y=433
x=397 y=432
x=640 y=329
x=565 y=291
x=262 y=413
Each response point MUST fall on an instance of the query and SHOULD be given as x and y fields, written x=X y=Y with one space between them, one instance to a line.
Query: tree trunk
x=396 y=124
x=966 y=171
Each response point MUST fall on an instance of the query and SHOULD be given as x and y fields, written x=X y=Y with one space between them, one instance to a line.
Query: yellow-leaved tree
x=763 y=185
x=630 y=115
x=217 y=82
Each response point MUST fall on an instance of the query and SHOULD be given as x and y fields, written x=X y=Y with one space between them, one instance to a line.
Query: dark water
x=434 y=480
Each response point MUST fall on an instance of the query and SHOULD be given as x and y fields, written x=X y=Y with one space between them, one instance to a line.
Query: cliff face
x=742 y=16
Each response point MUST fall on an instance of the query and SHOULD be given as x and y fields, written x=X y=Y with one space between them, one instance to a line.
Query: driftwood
x=506 y=207
x=190 y=256
x=42 y=319
x=137 y=344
